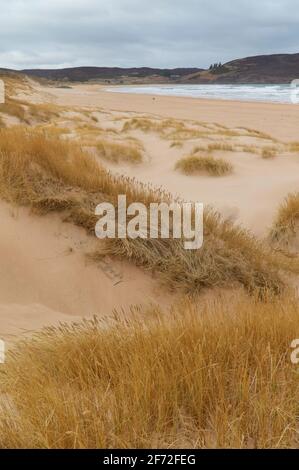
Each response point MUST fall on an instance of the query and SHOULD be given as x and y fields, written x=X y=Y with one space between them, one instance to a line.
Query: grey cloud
x=162 y=33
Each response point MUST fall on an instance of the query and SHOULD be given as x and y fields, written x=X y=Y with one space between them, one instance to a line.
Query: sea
x=263 y=93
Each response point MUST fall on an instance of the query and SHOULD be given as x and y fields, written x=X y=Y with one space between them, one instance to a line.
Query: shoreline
x=278 y=119
x=113 y=89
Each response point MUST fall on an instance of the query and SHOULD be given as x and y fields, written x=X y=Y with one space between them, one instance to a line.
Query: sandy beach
x=281 y=120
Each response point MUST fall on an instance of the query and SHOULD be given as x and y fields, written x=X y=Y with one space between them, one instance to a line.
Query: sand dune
x=45 y=277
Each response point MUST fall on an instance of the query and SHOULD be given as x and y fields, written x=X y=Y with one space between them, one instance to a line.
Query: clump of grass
x=269 y=152
x=14 y=108
x=293 y=147
x=199 y=148
x=176 y=143
x=222 y=146
x=228 y=133
x=229 y=257
x=249 y=148
x=215 y=146
x=118 y=152
x=285 y=226
x=194 y=164
x=158 y=125
x=222 y=369
x=26 y=155
x=42 y=112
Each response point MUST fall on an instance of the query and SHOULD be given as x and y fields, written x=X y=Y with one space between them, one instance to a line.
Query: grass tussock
x=48 y=173
x=269 y=152
x=221 y=146
x=216 y=374
x=249 y=148
x=177 y=144
x=294 y=147
x=14 y=108
x=119 y=152
x=285 y=226
x=194 y=164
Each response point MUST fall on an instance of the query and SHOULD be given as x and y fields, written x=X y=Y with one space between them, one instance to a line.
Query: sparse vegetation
x=222 y=146
x=269 y=152
x=193 y=164
x=215 y=146
x=294 y=147
x=176 y=143
x=285 y=226
x=117 y=152
x=249 y=149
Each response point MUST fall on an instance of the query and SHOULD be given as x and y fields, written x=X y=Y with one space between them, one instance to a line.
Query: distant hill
x=83 y=74
x=278 y=68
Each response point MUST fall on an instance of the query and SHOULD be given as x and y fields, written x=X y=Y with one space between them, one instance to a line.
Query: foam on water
x=266 y=93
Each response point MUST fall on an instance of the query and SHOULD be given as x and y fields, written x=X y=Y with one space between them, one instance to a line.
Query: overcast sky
x=156 y=33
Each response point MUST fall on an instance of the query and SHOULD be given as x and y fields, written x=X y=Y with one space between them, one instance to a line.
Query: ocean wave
x=266 y=93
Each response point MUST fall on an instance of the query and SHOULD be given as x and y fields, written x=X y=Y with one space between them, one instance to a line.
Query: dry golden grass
x=118 y=152
x=294 y=147
x=215 y=146
x=28 y=155
x=269 y=152
x=27 y=112
x=151 y=125
x=194 y=164
x=258 y=134
x=215 y=374
x=169 y=129
x=176 y=143
x=48 y=173
x=285 y=226
x=249 y=148
x=221 y=146
x=14 y=108
x=37 y=113
x=180 y=131
x=199 y=148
